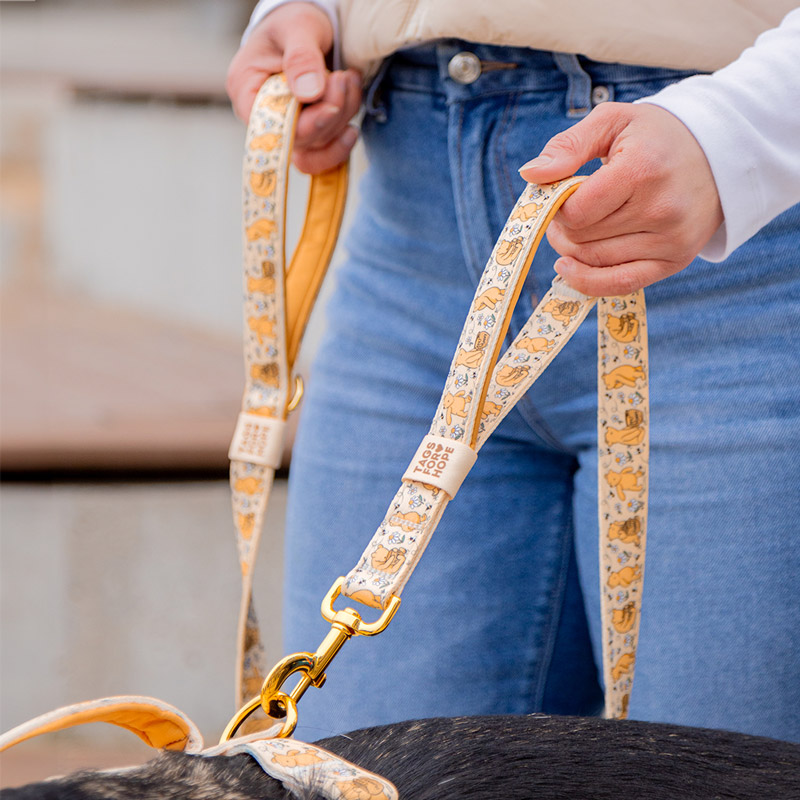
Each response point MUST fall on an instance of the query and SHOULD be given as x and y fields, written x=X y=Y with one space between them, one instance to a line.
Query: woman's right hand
x=294 y=39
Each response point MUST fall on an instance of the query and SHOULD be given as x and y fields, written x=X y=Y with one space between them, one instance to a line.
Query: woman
x=698 y=168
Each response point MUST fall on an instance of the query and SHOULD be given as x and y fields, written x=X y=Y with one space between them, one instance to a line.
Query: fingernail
x=540 y=161
x=348 y=138
x=309 y=84
x=326 y=114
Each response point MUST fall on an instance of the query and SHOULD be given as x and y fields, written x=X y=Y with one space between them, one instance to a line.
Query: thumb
x=569 y=150
x=304 y=65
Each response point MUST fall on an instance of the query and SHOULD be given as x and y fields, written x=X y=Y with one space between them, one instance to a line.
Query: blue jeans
x=720 y=636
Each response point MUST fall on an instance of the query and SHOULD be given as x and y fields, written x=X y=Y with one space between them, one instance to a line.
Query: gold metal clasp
x=279 y=705
x=297 y=397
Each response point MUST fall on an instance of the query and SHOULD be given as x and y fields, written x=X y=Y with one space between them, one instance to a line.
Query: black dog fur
x=492 y=758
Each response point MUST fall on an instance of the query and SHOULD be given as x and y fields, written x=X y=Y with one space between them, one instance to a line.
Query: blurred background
x=121 y=367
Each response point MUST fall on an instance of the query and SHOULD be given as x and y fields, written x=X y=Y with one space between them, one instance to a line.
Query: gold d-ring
x=299 y=391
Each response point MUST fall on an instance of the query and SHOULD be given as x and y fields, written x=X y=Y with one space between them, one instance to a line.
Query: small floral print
x=504 y=275
x=416 y=501
x=397 y=538
x=502 y=394
x=521 y=358
x=635 y=399
x=458 y=432
x=630 y=351
x=622 y=458
x=543 y=330
x=516 y=228
x=461 y=380
x=618 y=304
x=635 y=505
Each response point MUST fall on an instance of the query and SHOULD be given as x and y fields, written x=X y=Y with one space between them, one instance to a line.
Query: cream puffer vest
x=681 y=34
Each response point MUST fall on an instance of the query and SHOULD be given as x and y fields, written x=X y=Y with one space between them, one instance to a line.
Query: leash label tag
x=441 y=462
x=258 y=440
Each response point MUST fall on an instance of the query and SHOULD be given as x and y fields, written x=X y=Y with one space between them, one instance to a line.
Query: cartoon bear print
x=408 y=522
x=298 y=758
x=266 y=373
x=249 y=485
x=264 y=411
x=266 y=283
x=260 y=229
x=267 y=141
x=623 y=619
x=245 y=524
x=490 y=409
x=362 y=788
x=623 y=328
x=455 y=405
x=366 y=597
x=388 y=561
x=625 y=481
x=562 y=310
x=632 y=434
x=473 y=358
x=624 y=577
x=536 y=345
x=526 y=212
x=625 y=375
x=263 y=327
x=489 y=299
x=263 y=183
x=508 y=251
x=278 y=103
x=627 y=531
x=623 y=666
x=511 y=376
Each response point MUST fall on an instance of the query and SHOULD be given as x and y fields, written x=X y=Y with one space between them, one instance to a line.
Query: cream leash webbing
x=482 y=386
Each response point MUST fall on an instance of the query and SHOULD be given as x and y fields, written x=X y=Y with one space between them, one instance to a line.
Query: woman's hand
x=644 y=215
x=294 y=39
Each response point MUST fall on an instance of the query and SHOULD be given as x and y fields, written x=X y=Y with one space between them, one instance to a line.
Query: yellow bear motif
x=473 y=358
x=266 y=373
x=508 y=251
x=623 y=666
x=362 y=789
x=624 y=577
x=298 y=758
x=526 y=212
x=623 y=328
x=511 y=376
x=490 y=409
x=562 y=310
x=263 y=183
x=455 y=405
x=627 y=531
x=625 y=481
x=366 y=597
x=248 y=485
x=623 y=619
x=632 y=434
x=267 y=141
x=625 y=375
x=260 y=229
x=536 y=345
x=388 y=560
x=246 y=523
x=262 y=327
x=409 y=521
x=278 y=103
x=490 y=298
x=265 y=411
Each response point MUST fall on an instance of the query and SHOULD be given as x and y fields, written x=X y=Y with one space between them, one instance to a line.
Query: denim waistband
x=508 y=69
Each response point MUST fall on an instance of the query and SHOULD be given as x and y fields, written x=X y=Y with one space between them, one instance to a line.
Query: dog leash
x=481 y=388
x=297 y=765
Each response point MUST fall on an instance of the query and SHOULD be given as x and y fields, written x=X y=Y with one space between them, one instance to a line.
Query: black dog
x=491 y=758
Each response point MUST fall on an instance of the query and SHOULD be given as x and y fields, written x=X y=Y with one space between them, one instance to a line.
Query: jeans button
x=464 y=67
x=600 y=94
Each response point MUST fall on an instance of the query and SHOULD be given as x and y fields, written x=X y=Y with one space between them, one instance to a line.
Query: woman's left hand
x=644 y=215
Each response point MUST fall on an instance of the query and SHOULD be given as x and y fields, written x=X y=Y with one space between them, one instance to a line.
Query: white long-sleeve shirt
x=746 y=118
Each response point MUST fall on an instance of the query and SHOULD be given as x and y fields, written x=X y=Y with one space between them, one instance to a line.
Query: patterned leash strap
x=277 y=304
x=297 y=765
x=481 y=388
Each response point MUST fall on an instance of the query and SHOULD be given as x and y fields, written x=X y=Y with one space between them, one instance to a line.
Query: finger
x=616 y=250
x=320 y=160
x=316 y=127
x=304 y=65
x=317 y=121
x=599 y=196
x=567 y=151
x=614 y=281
